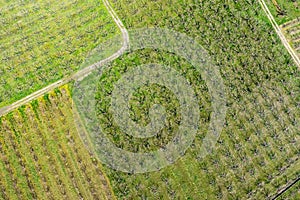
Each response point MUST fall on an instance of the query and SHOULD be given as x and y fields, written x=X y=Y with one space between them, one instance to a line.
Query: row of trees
x=48 y=43
x=42 y=155
x=261 y=124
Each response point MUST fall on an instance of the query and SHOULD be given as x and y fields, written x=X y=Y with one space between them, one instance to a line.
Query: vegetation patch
x=44 y=41
x=42 y=156
x=144 y=98
x=259 y=139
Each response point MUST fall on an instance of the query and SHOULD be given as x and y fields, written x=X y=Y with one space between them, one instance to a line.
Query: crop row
x=258 y=144
x=259 y=139
x=42 y=155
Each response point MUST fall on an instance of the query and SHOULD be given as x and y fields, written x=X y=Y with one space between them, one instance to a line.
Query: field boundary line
x=287 y=187
x=280 y=33
x=81 y=73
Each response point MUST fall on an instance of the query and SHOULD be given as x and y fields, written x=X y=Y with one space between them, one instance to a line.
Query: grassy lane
x=42 y=42
x=284 y=10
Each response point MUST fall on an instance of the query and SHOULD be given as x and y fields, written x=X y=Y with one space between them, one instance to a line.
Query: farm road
x=280 y=33
x=80 y=74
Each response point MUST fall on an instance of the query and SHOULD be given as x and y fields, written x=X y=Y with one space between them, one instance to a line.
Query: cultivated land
x=256 y=155
x=42 y=156
x=260 y=141
x=43 y=41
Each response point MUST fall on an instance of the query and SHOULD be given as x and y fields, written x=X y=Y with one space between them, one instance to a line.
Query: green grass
x=42 y=156
x=43 y=41
x=291 y=9
x=260 y=136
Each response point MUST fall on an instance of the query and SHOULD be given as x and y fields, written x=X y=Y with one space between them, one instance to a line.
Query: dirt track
x=280 y=33
x=82 y=73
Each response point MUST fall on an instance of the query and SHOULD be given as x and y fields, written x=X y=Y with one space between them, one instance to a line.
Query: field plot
x=42 y=156
x=252 y=159
x=292 y=32
x=260 y=140
x=43 y=41
x=284 y=10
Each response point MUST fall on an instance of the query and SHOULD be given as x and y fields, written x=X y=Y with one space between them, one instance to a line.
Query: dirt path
x=288 y=186
x=80 y=74
x=280 y=33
